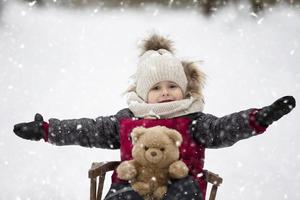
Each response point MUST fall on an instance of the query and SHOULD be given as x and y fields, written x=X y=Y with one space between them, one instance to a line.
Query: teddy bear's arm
x=178 y=170
x=127 y=170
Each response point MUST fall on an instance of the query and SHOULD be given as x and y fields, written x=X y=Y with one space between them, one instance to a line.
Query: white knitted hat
x=158 y=65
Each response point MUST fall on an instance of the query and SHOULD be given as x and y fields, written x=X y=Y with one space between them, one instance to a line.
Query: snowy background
x=71 y=63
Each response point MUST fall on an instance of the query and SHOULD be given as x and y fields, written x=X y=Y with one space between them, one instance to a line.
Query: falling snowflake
x=79 y=126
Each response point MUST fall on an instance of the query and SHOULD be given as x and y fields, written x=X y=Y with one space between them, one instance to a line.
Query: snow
x=67 y=64
x=79 y=126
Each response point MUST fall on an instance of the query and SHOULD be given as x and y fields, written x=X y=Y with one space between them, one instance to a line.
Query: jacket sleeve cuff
x=46 y=131
x=254 y=124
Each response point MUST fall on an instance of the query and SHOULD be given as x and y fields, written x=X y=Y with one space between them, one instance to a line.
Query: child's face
x=164 y=91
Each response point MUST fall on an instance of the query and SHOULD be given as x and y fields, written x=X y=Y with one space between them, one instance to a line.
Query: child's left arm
x=102 y=132
x=214 y=132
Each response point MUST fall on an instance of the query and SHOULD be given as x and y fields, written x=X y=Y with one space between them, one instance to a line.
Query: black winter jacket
x=103 y=132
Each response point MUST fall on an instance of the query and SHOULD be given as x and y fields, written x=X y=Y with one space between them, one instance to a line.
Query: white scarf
x=163 y=110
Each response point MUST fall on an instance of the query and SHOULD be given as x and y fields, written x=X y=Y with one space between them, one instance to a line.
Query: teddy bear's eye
x=146 y=148
x=162 y=149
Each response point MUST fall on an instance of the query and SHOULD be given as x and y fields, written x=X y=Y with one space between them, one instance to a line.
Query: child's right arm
x=102 y=132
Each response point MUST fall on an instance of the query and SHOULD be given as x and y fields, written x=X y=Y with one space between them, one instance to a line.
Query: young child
x=168 y=92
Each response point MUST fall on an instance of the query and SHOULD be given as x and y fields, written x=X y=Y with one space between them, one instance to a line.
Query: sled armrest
x=212 y=178
x=215 y=180
x=98 y=169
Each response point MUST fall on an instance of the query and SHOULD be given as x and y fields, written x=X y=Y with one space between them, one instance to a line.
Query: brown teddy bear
x=155 y=161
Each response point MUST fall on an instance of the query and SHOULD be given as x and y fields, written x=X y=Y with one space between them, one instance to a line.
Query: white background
x=66 y=63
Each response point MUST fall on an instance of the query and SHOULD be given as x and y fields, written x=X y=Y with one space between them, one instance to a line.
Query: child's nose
x=165 y=92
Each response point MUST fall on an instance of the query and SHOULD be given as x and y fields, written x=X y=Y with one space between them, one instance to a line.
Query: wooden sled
x=98 y=171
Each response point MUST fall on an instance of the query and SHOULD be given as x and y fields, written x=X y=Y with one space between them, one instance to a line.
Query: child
x=166 y=92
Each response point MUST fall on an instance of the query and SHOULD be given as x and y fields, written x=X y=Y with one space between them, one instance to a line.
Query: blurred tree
x=206 y=6
x=259 y=5
x=2 y=2
x=35 y=2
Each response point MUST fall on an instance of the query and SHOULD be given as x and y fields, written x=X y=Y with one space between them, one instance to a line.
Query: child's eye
x=155 y=88
x=173 y=86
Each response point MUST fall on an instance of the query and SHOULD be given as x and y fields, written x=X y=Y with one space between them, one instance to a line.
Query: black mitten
x=267 y=115
x=31 y=130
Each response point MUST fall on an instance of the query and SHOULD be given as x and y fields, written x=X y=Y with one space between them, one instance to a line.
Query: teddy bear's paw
x=126 y=171
x=160 y=192
x=178 y=170
x=142 y=188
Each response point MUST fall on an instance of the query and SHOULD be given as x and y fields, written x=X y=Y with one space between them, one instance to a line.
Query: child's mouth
x=165 y=101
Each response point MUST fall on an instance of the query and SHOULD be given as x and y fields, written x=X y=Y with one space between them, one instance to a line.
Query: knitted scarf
x=163 y=110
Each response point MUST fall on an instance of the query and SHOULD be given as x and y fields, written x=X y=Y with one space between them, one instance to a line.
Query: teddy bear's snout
x=153 y=153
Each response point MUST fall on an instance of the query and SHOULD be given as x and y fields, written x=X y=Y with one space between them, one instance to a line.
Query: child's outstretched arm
x=214 y=132
x=102 y=132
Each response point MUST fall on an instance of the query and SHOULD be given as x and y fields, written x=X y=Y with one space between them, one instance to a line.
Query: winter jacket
x=199 y=131
x=104 y=132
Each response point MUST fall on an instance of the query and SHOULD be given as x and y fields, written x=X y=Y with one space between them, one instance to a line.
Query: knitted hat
x=157 y=64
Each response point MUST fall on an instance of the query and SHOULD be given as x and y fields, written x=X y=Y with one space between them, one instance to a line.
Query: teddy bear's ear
x=136 y=133
x=175 y=136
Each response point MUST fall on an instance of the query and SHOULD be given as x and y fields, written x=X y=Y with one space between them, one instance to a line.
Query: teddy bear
x=155 y=161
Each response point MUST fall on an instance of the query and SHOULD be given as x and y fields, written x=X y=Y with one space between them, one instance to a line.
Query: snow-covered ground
x=76 y=63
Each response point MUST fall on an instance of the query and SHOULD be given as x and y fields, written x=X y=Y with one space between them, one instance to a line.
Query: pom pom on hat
x=156 y=42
